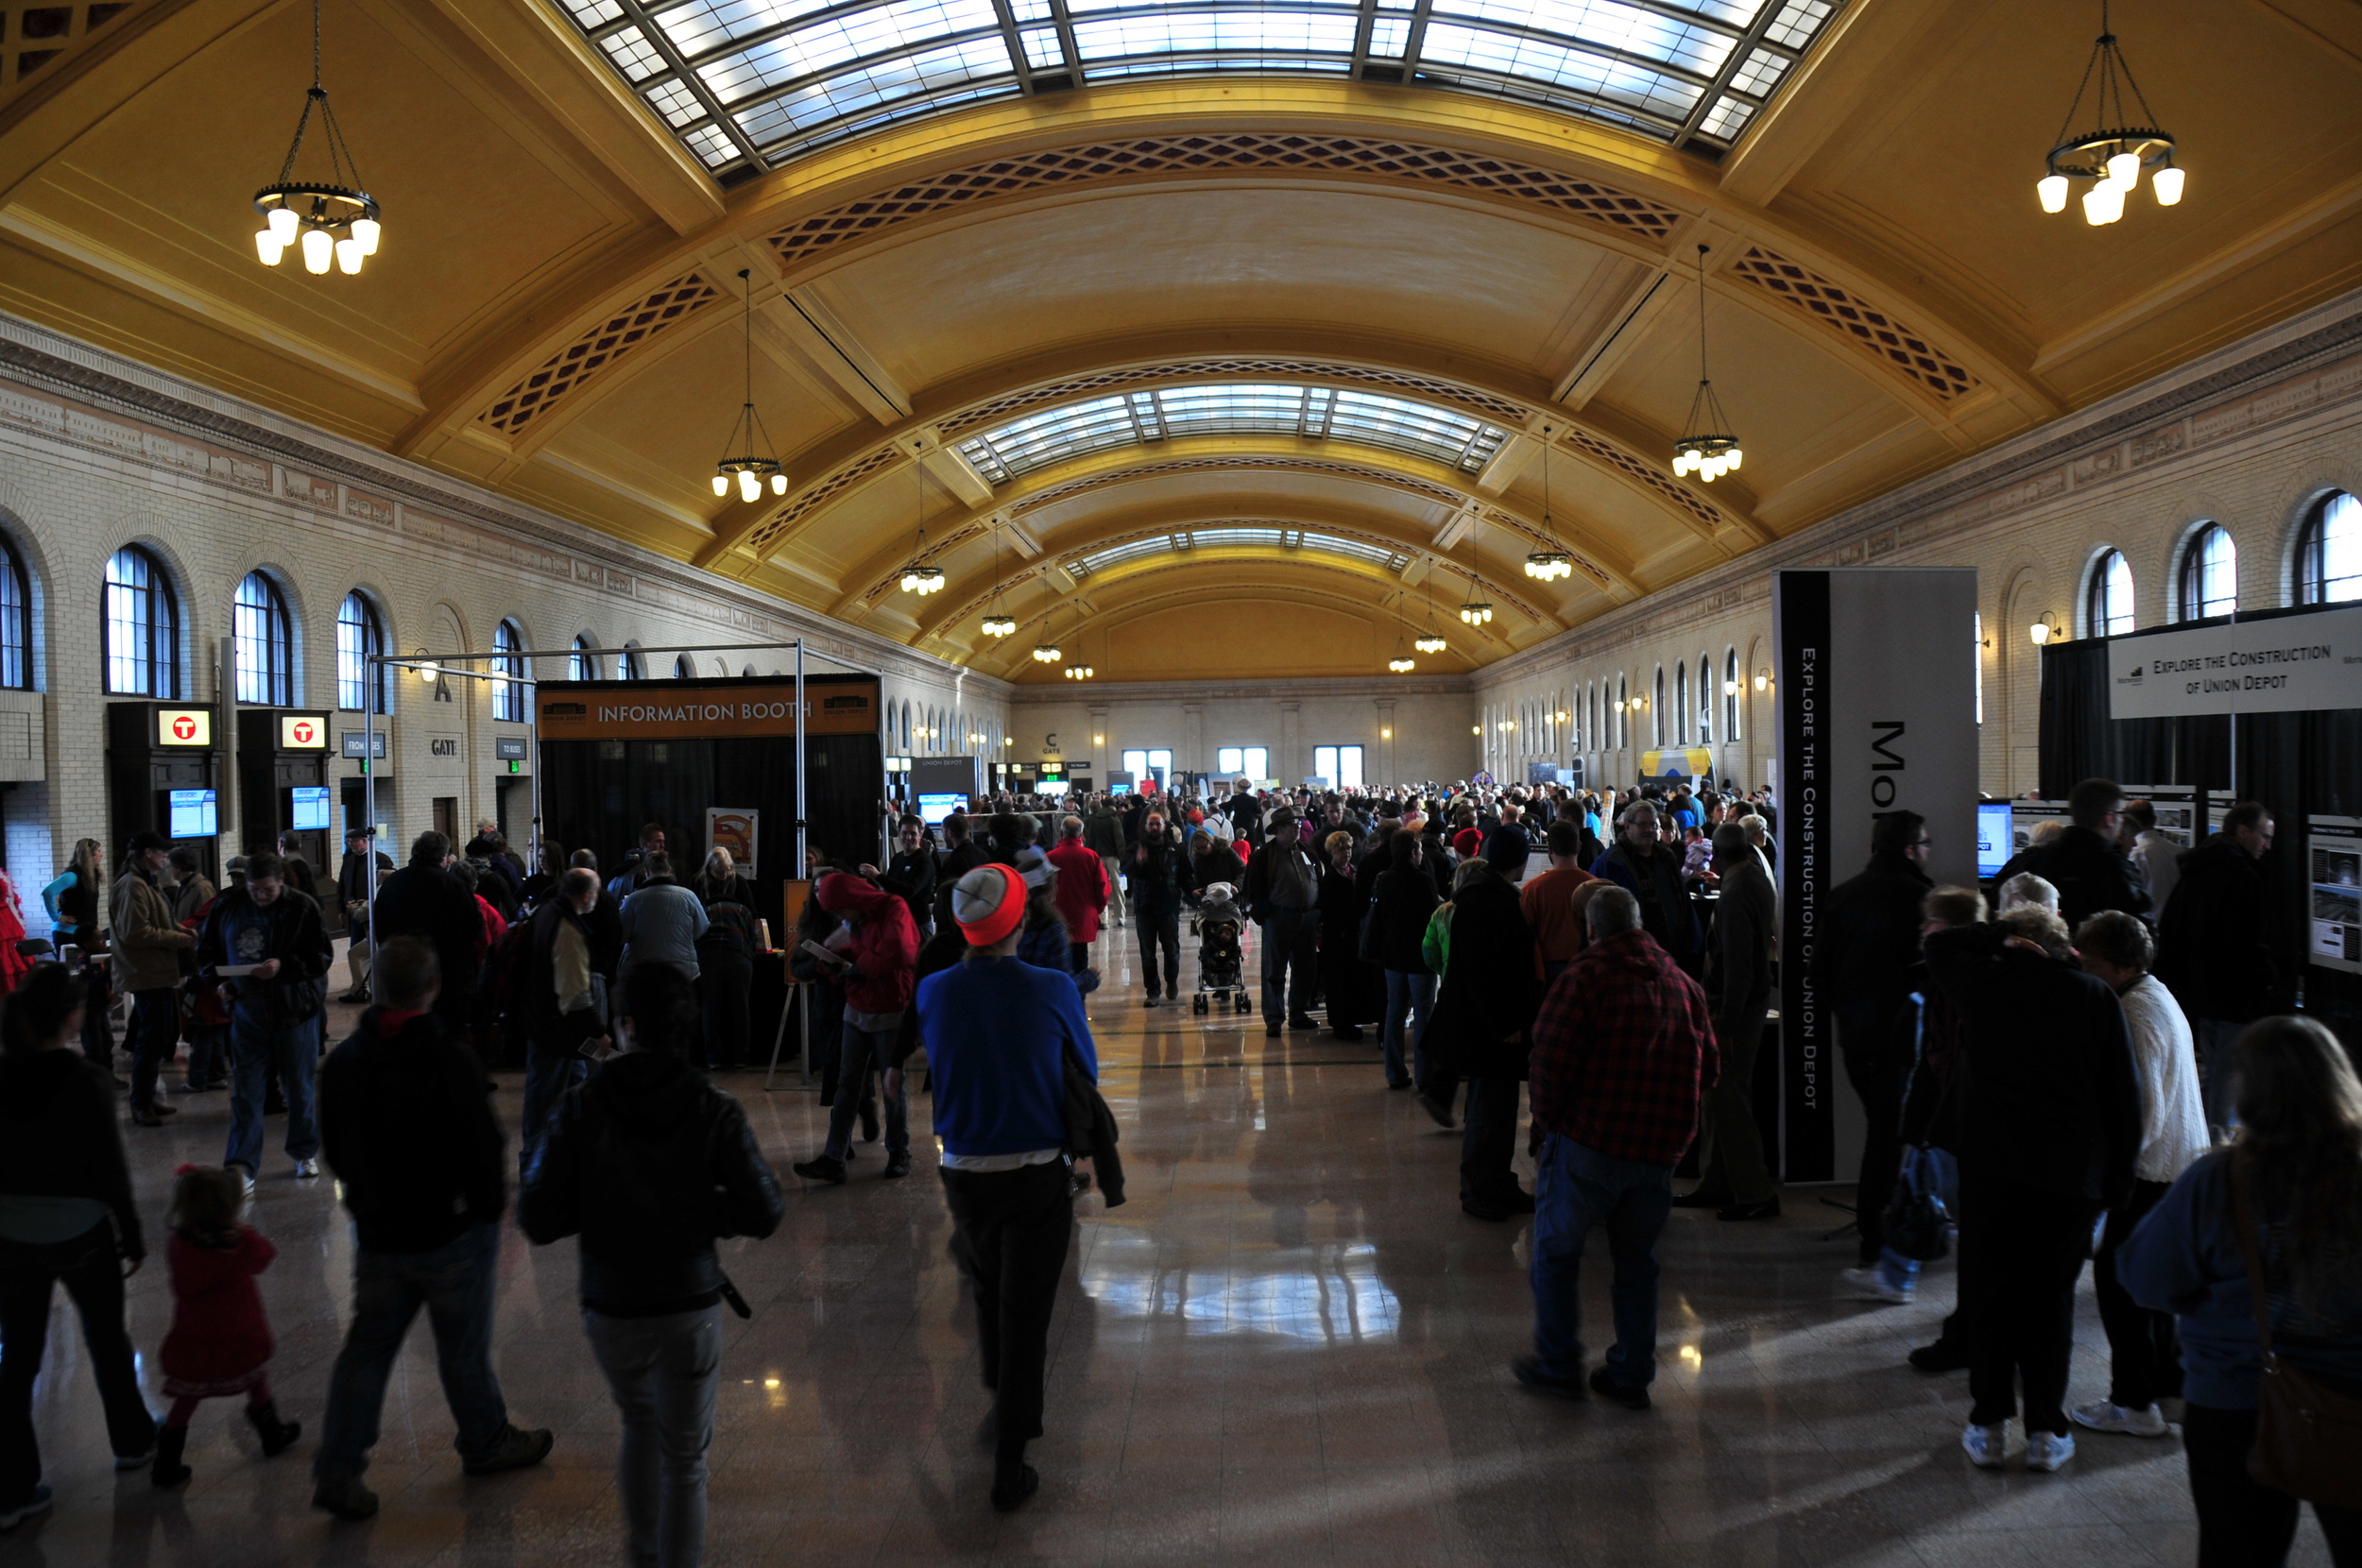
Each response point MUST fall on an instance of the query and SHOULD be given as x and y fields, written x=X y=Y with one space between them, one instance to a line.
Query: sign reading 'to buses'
x=185 y=727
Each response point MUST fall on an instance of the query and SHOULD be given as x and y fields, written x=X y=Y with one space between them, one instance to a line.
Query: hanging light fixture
x=1401 y=663
x=1476 y=612
x=331 y=222
x=997 y=622
x=748 y=467
x=1080 y=672
x=1047 y=651
x=2114 y=155
x=1713 y=452
x=917 y=576
x=1548 y=566
x=1429 y=641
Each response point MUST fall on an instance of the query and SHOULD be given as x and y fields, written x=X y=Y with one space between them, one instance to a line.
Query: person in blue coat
x=2296 y=1171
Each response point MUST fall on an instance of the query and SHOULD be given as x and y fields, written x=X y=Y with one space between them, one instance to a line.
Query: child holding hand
x=219 y=1343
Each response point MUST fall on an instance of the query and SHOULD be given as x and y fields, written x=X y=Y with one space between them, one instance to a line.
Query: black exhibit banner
x=1877 y=694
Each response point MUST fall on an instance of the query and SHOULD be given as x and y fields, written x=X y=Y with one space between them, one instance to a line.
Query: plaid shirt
x=1622 y=1050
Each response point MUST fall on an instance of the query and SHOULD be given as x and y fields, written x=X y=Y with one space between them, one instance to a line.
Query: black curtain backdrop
x=2299 y=765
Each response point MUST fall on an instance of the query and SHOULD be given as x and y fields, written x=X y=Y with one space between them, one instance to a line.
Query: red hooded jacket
x=885 y=943
x=218 y=1330
x=1082 y=889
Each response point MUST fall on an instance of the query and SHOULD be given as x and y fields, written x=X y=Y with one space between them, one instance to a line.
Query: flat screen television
x=934 y=809
x=308 y=812
x=1994 y=845
x=191 y=815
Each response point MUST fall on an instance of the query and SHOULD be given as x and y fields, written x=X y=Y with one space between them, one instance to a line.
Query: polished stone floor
x=1290 y=1347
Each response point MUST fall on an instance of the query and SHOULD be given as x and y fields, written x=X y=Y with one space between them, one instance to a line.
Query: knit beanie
x=988 y=902
x=1467 y=842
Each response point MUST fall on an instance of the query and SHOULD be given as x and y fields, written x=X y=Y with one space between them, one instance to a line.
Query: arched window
x=259 y=643
x=511 y=699
x=142 y=626
x=1732 y=687
x=1706 y=701
x=1656 y=708
x=684 y=668
x=360 y=636
x=1681 y=704
x=1624 y=712
x=2210 y=574
x=16 y=620
x=629 y=667
x=582 y=664
x=2108 y=605
x=2329 y=551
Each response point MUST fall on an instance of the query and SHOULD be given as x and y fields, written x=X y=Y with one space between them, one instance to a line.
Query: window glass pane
x=16 y=623
x=2111 y=612
x=2333 y=567
x=258 y=642
x=359 y=635
x=2210 y=574
x=141 y=627
x=1325 y=763
x=1228 y=760
x=1349 y=767
x=1257 y=762
x=1136 y=763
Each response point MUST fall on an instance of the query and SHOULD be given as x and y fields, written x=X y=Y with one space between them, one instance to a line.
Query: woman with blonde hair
x=72 y=900
x=2286 y=1195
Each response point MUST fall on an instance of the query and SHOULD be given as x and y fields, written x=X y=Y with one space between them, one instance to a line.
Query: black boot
x=169 y=1470
x=1013 y=1479
x=278 y=1436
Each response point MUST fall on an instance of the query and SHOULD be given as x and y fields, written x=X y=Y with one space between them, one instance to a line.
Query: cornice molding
x=51 y=362
x=2031 y=469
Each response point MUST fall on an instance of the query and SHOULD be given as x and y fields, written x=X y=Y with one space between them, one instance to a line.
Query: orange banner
x=684 y=710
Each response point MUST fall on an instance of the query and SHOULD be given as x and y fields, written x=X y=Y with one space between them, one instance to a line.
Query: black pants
x=1876 y=1077
x=723 y=982
x=98 y=1034
x=2022 y=1249
x=1160 y=930
x=93 y=1276
x=1013 y=1229
x=1488 y=1140
x=2143 y=1352
x=1078 y=955
x=2242 y=1523
x=155 y=1034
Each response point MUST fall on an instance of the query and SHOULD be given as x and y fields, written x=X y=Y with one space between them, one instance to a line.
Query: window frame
x=273 y=673
x=2102 y=617
x=2190 y=600
x=582 y=660
x=158 y=625
x=2312 y=581
x=512 y=690
x=17 y=672
x=353 y=672
x=1734 y=697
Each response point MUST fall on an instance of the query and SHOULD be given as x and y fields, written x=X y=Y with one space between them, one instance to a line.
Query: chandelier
x=1079 y=671
x=918 y=577
x=1400 y=664
x=1429 y=641
x=997 y=625
x=997 y=622
x=1476 y=612
x=1047 y=651
x=332 y=220
x=1548 y=566
x=749 y=470
x=2113 y=156
x=1714 y=451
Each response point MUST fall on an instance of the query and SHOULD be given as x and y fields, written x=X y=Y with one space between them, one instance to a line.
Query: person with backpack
x=1282 y=896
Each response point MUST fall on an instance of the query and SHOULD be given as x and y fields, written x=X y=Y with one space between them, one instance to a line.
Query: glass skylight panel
x=676 y=102
x=1761 y=73
x=1209 y=31
x=1727 y=118
x=1037 y=440
x=1375 y=553
x=1651 y=92
x=1232 y=410
x=1418 y=428
x=1043 y=51
x=633 y=54
x=882 y=30
x=590 y=14
x=1799 y=22
x=1623 y=31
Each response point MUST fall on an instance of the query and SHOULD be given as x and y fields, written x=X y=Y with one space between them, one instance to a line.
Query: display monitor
x=191 y=815
x=1994 y=844
x=934 y=809
x=1119 y=787
x=308 y=811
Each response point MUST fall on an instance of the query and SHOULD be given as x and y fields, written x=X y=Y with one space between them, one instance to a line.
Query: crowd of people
x=2096 y=1065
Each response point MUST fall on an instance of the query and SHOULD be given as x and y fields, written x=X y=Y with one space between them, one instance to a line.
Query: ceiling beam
x=1852 y=60
x=820 y=332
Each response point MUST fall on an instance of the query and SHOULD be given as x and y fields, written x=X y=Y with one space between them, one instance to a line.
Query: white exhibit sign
x=2334 y=892
x=2287 y=664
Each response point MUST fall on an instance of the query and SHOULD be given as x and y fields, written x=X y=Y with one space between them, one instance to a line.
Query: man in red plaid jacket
x=1622 y=1050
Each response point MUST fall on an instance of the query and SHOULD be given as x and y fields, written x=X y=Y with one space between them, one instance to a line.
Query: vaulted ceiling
x=1313 y=316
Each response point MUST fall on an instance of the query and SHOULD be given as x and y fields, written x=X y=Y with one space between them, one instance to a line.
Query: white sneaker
x=1985 y=1445
x=2047 y=1450
x=2147 y=1422
x=306 y=1170
x=1870 y=1285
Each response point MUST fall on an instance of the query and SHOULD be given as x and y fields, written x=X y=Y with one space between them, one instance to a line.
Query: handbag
x=2308 y=1438
x=1370 y=948
x=1915 y=1218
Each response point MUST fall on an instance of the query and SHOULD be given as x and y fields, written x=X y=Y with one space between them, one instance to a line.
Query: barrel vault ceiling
x=1200 y=339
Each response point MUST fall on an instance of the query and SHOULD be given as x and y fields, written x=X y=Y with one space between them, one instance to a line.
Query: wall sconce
x=1763 y=679
x=1099 y=739
x=427 y=672
x=1386 y=734
x=1475 y=729
x=2041 y=631
x=1730 y=688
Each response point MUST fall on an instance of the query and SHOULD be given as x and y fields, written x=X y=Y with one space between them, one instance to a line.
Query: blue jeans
x=2218 y=1040
x=454 y=1284
x=662 y=1373
x=257 y=1050
x=861 y=1050
x=1574 y=1189
x=551 y=1069
x=1291 y=953
x=1410 y=997
x=209 y=1053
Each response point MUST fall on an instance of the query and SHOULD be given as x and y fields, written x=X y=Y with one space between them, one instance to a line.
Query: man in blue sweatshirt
x=1000 y=1035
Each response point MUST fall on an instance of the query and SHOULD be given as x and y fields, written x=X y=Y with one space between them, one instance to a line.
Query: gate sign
x=185 y=727
x=303 y=732
x=2286 y=664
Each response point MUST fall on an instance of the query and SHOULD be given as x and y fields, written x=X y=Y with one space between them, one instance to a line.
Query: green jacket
x=1103 y=832
x=1436 y=946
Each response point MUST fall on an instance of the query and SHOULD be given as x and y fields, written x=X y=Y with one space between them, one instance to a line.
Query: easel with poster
x=2333 y=853
x=795 y=894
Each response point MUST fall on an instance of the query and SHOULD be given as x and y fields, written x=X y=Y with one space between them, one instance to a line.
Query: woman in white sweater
x=2144 y=1363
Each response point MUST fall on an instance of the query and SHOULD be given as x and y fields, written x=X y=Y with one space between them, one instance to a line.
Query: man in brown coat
x=148 y=944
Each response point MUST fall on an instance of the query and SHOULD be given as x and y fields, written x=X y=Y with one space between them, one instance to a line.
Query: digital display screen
x=934 y=809
x=1994 y=844
x=1118 y=788
x=191 y=815
x=309 y=810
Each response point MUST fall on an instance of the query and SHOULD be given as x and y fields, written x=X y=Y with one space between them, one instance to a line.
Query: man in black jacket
x=1870 y=923
x=2084 y=863
x=2214 y=944
x=278 y=1004
x=1281 y=891
x=1650 y=871
x=354 y=877
x=558 y=999
x=1156 y=874
x=409 y=1132
x=649 y=1164
x=424 y=900
x=2048 y=1124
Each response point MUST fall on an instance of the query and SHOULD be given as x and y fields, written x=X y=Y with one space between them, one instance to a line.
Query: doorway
x=447 y=818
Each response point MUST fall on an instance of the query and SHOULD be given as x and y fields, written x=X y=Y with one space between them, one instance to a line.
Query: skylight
x=751 y=84
x=1238 y=537
x=1313 y=412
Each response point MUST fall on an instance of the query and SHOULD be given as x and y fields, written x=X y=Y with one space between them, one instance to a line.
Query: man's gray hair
x=1612 y=912
x=1731 y=843
x=2026 y=888
x=580 y=883
x=1071 y=827
x=1637 y=809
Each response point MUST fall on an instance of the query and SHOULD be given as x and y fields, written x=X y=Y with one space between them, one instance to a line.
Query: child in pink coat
x=219 y=1343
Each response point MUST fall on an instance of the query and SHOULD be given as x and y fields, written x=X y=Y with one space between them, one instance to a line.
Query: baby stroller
x=1220 y=961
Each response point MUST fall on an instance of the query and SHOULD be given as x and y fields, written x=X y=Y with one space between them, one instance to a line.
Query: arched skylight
x=751 y=84
x=1313 y=412
x=1237 y=536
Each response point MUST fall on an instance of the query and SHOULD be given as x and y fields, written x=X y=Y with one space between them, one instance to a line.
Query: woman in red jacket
x=1081 y=892
x=876 y=954
x=221 y=1342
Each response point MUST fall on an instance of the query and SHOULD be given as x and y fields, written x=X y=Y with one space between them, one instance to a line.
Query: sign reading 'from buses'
x=660 y=710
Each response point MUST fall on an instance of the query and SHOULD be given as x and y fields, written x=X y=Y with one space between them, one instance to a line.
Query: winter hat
x=988 y=902
x=1033 y=866
x=1280 y=817
x=1467 y=842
